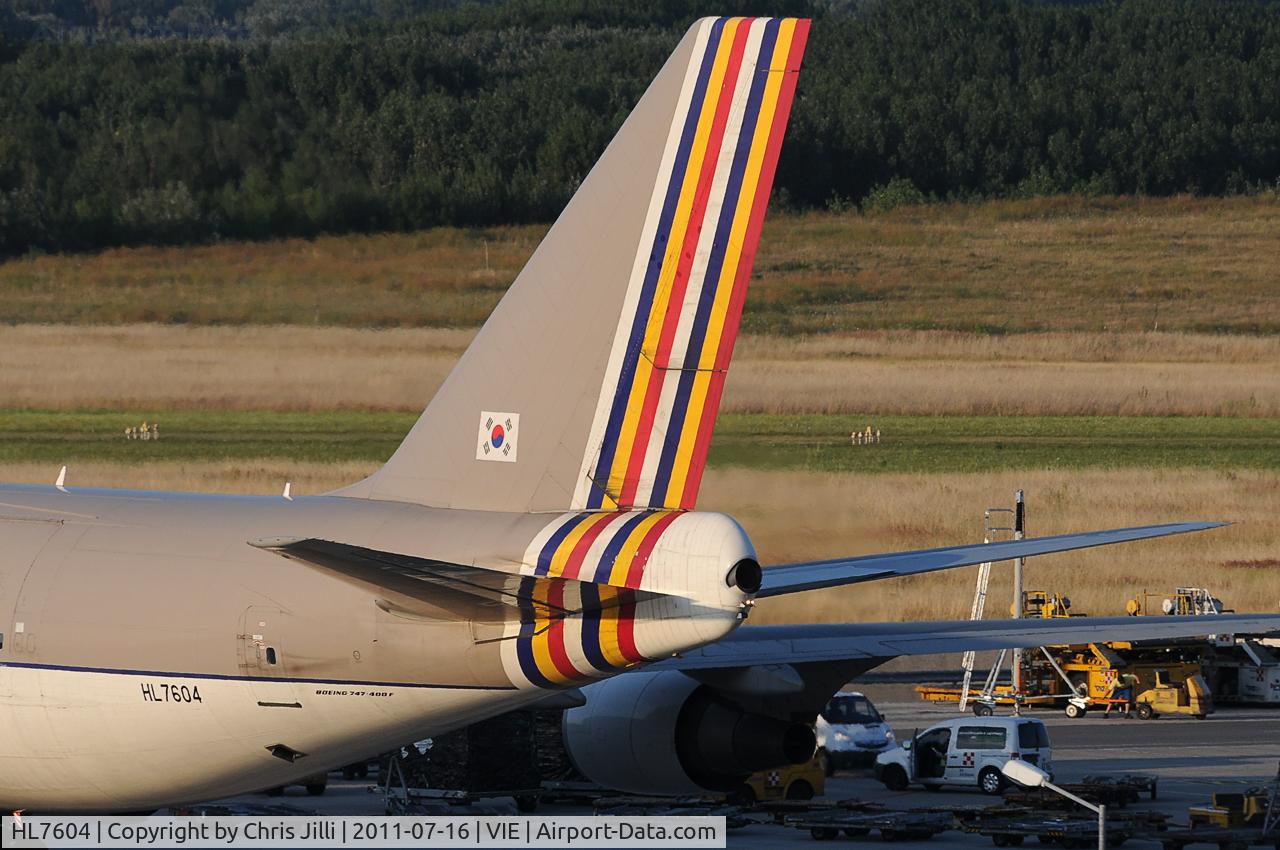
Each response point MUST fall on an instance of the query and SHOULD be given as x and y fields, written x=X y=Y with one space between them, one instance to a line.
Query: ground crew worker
x=1121 y=689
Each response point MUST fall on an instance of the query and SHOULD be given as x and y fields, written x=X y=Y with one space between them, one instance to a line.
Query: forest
x=153 y=121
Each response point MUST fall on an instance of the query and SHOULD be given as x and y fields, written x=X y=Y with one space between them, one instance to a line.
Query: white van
x=851 y=732
x=966 y=751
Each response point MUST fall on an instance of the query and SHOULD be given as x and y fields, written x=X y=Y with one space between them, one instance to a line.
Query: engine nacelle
x=664 y=733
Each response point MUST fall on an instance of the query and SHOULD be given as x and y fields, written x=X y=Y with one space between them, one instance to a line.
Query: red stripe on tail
x=733 y=316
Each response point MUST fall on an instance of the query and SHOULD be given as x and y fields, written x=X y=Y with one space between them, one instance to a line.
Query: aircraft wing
x=807 y=644
x=813 y=575
x=467 y=592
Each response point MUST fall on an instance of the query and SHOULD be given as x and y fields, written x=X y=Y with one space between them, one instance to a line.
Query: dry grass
x=800 y=516
x=1115 y=264
x=1060 y=263
x=156 y=367
x=797 y=516
x=159 y=367
x=1049 y=347
x=924 y=387
x=445 y=276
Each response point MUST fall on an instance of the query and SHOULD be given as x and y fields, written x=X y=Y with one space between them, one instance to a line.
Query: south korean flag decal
x=497 y=437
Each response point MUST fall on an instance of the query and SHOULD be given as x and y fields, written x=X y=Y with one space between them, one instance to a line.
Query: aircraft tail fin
x=596 y=381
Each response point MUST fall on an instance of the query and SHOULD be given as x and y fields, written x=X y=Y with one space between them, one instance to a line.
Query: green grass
x=201 y=436
x=814 y=442
x=976 y=443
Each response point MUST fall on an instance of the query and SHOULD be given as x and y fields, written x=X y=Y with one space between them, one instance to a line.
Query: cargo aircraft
x=534 y=536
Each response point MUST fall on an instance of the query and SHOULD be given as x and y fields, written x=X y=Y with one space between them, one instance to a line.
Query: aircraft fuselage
x=153 y=656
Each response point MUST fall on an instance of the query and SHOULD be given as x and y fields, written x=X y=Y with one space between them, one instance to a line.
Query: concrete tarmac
x=1231 y=750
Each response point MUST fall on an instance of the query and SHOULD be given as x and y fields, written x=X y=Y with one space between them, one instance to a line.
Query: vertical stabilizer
x=596 y=380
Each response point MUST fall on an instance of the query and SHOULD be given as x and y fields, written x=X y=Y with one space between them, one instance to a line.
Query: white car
x=966 y=751
x=851 y=732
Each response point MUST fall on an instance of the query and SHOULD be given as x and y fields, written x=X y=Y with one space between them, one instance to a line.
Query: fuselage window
x=271 y=655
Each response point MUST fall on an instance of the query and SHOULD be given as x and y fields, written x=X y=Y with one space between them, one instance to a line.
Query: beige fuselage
x=152 y=656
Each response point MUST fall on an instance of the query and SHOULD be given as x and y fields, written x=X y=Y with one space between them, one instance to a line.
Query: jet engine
x=664 y=733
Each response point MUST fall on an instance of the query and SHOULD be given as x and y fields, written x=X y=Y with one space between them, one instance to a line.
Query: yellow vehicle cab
x=793 y=782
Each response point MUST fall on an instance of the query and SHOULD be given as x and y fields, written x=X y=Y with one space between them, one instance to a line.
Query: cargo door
x=20 y=543
x=260 y=648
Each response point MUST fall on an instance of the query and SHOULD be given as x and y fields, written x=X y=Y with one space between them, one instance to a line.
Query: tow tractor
x=1190 y=697
x=1232 y=820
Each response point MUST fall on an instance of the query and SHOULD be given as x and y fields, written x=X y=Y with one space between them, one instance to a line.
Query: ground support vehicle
x=1176 y=838
x=1190 y=696
x=790 y=782
x=1258 y=807
x=965 y=751
x=401 y=797
x=1078 y=706
x=892 y=826
x=851 y=732
x=1245 y=671
x=499 y=757
x=1233 y=820
x=1080 y=678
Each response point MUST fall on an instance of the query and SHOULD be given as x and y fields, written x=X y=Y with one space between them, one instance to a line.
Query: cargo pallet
x=1109 y=791
x=1242 y=838
x=893 y=826
x=1010 y=827
x=1064 y=831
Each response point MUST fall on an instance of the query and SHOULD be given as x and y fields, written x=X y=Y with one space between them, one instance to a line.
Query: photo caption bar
x=357 y=832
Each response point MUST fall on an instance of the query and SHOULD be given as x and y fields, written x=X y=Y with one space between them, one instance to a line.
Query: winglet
x=62 y=480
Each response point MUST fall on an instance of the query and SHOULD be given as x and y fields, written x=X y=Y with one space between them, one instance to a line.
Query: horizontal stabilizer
x=465 y=592
x=813 y=575
x=839 y=642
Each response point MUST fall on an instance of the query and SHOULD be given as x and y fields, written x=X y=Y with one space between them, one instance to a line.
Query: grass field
x=1065 y=263
x=799 y=516
x=253 y=368
x=756 y=441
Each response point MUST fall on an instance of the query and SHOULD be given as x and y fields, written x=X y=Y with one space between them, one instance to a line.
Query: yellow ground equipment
x=1185 y=602
x=793 y=782
x=1257 y=807
x=1167 y=678
x=1190 y=696
x=1163 y=680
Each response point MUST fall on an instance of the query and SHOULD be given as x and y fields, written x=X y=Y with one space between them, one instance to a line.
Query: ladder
x=1272 y=821
x=989 y=534
x=975 y=613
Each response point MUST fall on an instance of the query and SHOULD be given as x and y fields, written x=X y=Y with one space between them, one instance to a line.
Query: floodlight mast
x=1029 y=775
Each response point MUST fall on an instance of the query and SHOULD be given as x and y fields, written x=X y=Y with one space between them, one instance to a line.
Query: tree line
x=142 y=121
